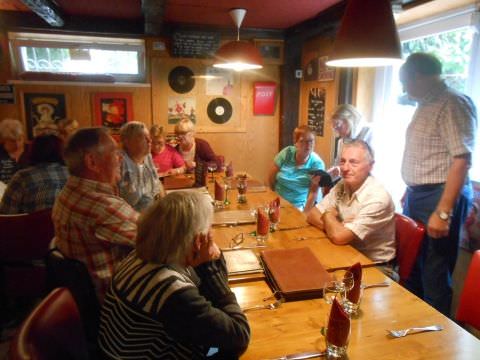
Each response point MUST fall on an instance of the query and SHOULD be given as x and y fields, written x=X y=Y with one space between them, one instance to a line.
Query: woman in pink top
x=167 y=160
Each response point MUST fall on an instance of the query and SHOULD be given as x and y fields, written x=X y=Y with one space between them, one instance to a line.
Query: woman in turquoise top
x=290 y=175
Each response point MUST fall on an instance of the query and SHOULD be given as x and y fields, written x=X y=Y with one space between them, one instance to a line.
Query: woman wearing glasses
x=290 y=175
x=191 y=148
x=347 y=124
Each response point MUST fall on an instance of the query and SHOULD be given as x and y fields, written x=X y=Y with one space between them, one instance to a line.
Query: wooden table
x=295 y=326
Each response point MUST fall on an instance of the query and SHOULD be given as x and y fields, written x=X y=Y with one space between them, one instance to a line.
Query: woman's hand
x=204 y=249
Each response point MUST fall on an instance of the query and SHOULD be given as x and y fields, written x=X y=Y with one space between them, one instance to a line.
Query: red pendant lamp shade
x=238 y=55
x=367 y=36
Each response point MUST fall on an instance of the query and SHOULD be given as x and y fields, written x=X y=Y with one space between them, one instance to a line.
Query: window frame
x=21 y=39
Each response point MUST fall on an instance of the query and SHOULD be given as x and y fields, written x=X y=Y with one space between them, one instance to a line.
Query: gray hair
x=184 y=126
x=166 y=230
x=349 y=114
x=131 y=129
x=79 y=144
x=369 y=155
x=10 y=129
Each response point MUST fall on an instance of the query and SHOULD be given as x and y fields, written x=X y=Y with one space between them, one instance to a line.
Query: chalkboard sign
x=190 y=44
x=316 y=110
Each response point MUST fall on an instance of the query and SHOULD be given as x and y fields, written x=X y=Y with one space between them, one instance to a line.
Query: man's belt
x=425 y=187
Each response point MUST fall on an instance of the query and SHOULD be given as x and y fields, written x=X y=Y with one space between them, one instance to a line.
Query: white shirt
x=369 y=214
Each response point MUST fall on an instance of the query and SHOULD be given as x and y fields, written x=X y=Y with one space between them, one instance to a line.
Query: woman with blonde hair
x=166 y=159
x=12 y=146
x=171 y=294
x=347 y=124
x=290 y=175
x=191 y=148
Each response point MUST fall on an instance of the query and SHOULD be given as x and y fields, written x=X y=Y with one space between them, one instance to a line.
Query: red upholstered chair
x=468 y=311
x=409 y=237
x=52 y=331
x=24 y=243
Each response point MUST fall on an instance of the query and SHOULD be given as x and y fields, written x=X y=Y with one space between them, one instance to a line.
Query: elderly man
x=93 y=224
x=358 y=210
x=440 y=140
x=139 y=184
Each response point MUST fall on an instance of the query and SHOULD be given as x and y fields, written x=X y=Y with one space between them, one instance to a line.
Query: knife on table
x=302 y=355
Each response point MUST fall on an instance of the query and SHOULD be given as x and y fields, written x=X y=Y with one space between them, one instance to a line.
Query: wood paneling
x=324 y=145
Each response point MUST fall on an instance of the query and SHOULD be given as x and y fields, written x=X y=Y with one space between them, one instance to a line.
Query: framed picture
x=271 y=50
x=112 y=110
x=43 y=111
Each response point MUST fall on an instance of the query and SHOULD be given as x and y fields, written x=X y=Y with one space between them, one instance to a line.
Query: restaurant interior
x=163 y=67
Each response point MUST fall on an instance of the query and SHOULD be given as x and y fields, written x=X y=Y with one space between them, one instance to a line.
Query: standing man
x=92 y=223
x=439 y=145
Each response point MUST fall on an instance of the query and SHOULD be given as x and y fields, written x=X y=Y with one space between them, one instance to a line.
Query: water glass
x=242 y=186
x=263 y=225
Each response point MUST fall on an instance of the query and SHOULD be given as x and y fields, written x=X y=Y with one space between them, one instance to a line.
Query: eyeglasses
x=184 y=135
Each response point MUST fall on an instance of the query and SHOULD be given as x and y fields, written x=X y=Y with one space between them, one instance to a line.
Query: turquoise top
x=292 y=182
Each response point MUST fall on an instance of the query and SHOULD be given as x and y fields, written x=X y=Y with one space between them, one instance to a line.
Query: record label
x=219 y=110
x=181 y=79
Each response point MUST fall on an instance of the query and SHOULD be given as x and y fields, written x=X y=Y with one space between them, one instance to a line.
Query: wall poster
x=43 y=111
x=112 y=110
x=316 y=110
x=181 y=107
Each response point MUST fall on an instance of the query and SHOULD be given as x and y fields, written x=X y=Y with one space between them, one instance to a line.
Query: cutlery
x=381 y=284
x=303 y=355
x=293 y=228
x=414 y=330
x=269 y=306
x=243 y=247
x=299 y=238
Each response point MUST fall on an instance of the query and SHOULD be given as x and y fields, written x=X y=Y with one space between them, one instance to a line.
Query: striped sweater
x=155 y=311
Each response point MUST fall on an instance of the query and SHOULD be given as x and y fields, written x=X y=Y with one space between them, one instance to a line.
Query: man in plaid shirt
x=439 y=144
x=92 y=223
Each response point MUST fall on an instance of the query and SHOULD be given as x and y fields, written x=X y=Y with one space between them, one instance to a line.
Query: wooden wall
x=250 y=144
x=324 y=145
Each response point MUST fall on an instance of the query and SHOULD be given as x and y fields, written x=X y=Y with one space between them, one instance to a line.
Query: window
x=456 y=43
x=63 y=54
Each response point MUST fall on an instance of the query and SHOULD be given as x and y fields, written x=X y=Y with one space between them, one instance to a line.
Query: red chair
x=468 y=311
x=23 y=247
x=52 y=331
x=409 y=237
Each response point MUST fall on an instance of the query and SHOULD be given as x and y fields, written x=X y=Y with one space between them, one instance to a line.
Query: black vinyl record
x=181 y=79
x=219 y=110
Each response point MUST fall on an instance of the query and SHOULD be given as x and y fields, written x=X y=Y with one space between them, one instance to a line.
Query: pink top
x=168 y=159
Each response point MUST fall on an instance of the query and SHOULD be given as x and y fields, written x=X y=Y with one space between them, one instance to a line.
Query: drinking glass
x=333 y=289
x=263 y=225
x=274 y=215
x=346 y=277
x=338 y=332
x=228 y=186
x=242 y=186
x=212 y=166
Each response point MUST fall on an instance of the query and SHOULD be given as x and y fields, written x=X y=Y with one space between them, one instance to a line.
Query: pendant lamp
x=238 y=55
x=367 y=36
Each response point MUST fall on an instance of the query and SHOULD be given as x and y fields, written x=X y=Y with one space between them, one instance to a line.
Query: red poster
x=264 y=98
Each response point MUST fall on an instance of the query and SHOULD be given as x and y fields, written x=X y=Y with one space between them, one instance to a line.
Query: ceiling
x=261 y=14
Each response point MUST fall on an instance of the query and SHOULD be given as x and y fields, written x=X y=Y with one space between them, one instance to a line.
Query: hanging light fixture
x=367 y=37
x=238 y=55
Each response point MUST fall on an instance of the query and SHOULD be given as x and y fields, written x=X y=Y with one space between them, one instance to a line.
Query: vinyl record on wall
x=181 y=79
x=219 y=110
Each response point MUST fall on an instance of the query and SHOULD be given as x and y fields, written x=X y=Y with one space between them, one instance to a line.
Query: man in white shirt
x=358 y=210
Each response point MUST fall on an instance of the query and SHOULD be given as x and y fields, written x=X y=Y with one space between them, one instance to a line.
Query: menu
x=316 y=110
x=195 y=44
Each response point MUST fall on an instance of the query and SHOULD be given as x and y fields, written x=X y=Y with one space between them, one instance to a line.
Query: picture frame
x=112 y=110
x=271 y=50
x=43 y=111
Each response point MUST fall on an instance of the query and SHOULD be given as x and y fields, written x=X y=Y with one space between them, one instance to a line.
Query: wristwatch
x=445 y=216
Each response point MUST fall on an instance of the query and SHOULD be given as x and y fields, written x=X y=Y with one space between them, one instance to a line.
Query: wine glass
x=212 y=166
x=346 y=277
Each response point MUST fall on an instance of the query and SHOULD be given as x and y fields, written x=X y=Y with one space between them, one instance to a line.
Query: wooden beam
x=47 y=10
x=153 y=13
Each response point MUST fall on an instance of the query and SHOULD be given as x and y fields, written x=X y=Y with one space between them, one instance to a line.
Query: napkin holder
x=295 y=274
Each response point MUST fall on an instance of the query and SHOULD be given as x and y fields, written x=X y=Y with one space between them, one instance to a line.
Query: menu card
x=242 y=262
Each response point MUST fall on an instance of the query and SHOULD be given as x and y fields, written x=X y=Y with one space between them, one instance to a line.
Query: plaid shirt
x=443 y=127
x=95 y=226
x=34 y=188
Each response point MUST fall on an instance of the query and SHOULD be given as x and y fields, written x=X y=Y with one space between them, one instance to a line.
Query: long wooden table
x=295 y=326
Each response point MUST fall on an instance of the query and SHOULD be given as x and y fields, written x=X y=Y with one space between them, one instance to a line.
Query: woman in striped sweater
x=169 y=299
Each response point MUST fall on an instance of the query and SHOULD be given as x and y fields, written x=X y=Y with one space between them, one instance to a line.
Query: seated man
x=358 y=210
x=93 y=224
x=139 y=183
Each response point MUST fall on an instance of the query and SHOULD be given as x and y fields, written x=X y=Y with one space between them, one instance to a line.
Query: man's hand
x=332 y=211
x=314 y=183
x=436 y=227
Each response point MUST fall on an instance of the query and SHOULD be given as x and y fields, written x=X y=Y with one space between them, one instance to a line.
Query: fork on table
x=413 y=330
